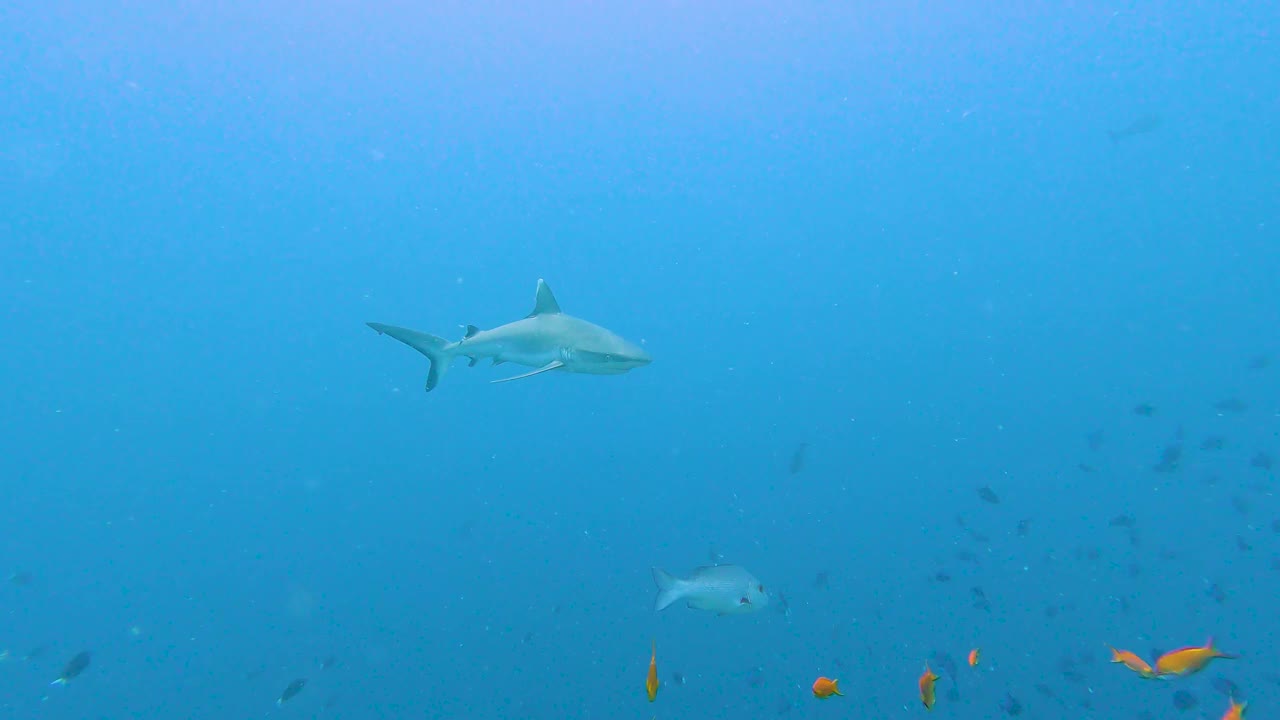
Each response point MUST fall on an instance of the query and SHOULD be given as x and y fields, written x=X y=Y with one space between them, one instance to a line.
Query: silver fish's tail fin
x=669 y=589
x=438 y=350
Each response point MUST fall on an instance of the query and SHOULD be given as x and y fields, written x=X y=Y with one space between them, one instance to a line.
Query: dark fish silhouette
x=1259 y=362
x=797 y=458
x=1226 y=687
x=1261 y=460
x=988 y=495
x=1231 y=405
x=1096 y=440
x=1216 y=592
x=1048 y=692
x=1075 y=677
x=1213 y=442
x=1184 y=701
x=35 y=653
x=1140 y=126
x=1241 y=504
x=1126 y=521
x=1170 y=459
x=291 y=691
x=1144 y=409
x=947 y=663
x=21 y=577
x=75 y=666
x=977 y=536
x=1011 y=705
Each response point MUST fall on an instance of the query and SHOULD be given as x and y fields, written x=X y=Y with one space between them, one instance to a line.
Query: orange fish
x=824 y=688
x=1189 y=660
x=973 y=657
x=651 y=682
x=1236 y=711
x=1133 y=662
x=926 y=687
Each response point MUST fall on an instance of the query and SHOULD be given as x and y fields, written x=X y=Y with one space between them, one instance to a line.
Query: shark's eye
x=760 y=588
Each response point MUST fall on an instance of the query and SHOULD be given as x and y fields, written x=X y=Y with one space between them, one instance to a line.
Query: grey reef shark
x=546 y=340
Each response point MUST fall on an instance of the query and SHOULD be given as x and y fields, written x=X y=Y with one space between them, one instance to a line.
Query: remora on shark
x=546 y=340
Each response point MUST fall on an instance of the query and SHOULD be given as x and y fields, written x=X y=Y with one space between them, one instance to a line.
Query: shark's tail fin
x=438 y=350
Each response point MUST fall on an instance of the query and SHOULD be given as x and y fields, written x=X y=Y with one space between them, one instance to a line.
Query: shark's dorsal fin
x=471 y=331
x=544 y=303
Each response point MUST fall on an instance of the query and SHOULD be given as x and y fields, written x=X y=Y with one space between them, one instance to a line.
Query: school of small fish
x=731 y=590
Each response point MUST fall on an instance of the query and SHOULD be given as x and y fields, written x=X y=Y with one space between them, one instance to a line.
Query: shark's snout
x=637 y=357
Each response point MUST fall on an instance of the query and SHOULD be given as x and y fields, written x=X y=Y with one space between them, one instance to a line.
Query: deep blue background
x=895 y=231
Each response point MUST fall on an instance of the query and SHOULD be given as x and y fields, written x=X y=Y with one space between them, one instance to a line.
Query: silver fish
x=722 y=589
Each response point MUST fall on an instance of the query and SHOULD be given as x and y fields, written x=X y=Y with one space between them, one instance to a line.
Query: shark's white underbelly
x=526 y=351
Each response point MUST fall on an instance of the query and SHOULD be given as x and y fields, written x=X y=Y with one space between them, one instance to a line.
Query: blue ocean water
x=899 y=233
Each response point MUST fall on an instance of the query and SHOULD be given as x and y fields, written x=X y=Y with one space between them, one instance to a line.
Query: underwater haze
x=963 y=325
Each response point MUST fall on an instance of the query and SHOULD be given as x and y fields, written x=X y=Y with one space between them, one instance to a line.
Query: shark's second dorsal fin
x=544 y=303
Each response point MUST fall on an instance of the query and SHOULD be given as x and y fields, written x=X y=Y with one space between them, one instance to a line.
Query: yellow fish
x=927 y=681
x=1236 y=711
x=1189 y=660
x=973 y=657
x=651 y=682
x=1133 y=662
x=824 y=688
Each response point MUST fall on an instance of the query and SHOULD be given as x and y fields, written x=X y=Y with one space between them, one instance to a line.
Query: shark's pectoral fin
x=553 y=365
x=473 y=362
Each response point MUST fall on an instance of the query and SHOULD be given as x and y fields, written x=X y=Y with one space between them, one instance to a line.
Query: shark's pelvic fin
x=553 y=365
x=438 y=350
x=544 y=303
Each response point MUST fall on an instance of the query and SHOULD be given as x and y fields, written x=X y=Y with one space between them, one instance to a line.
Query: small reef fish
x=927 y=681
x=1133 y=662
x=824 y=688
x=722 y=589
x=74 y=667
x=1189 y=660
x=973 y=657
x=291 y=691
x=651 y=682
x=1236 y=711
